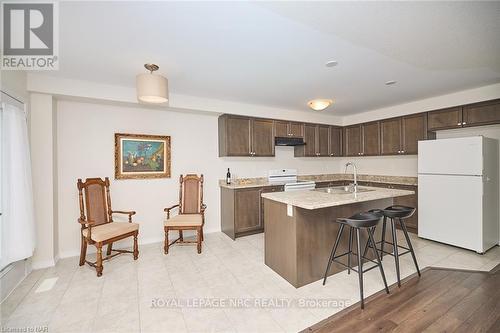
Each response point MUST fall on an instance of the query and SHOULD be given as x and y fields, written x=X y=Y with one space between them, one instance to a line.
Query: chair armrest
x=168 y=209
x=85 y=222
x=129 y=213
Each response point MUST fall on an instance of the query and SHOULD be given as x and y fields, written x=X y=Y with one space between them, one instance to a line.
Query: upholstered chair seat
x=107 y=231
x=185 y=220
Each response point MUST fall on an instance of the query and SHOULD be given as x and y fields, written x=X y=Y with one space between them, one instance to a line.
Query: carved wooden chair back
x=191 y=194
x=95 y=200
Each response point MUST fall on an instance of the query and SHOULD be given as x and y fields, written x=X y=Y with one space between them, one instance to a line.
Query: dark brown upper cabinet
x=370 y=138
x=445 y=119
x=401 y=135
x=352 y=140
x=243 y=136
x=390 y=134
x=335 y=141
x=317 y=139
x=262 y=137
x=483 y=113
x=287 y=128
x=414 y=129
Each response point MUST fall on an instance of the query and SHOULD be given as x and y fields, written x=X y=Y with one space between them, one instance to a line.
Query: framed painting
x=142 y=156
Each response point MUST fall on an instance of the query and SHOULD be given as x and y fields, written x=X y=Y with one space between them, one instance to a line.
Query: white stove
x=288 y=178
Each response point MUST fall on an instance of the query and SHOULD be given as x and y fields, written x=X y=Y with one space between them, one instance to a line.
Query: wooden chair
x=191 y=214
x=98 y=227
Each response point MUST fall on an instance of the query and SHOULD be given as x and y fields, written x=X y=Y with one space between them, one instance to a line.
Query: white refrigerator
x=458 y=194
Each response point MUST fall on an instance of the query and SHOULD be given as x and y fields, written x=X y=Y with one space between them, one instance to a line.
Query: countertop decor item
x=142 y=156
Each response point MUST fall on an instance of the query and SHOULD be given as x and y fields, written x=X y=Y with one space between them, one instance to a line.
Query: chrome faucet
x=355 y=184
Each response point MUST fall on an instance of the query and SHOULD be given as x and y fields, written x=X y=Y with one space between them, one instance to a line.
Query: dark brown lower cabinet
x=242 y=210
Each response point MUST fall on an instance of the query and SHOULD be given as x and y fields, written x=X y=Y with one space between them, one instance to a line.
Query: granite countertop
x=310 y=199
x=262 y=181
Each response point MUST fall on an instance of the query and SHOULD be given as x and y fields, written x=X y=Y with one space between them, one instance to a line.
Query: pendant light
x=152 y=88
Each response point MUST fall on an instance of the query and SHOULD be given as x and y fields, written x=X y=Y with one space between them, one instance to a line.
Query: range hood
x=287 y=141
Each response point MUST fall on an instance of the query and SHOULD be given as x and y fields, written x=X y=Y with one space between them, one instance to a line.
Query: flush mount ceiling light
x=331 y=63
x=152 y=88
x=319 y=104
x=390 y=83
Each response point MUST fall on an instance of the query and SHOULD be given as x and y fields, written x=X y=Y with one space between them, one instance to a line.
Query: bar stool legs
x=334 y=249
x=356 y=231
x=360 y=268
x=405 y=232
x=379 y=260
x=349 y=252
x=395 y=250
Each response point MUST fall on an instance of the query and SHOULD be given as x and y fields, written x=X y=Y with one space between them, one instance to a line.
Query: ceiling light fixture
x=152 y=88
x=319 y=104
x=390 y=83
x=331 y=63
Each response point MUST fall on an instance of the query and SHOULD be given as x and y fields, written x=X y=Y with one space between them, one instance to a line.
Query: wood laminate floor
x=442 y=300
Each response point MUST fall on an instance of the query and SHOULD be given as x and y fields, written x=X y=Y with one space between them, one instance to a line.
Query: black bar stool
x=366 y=221
x=395 y=213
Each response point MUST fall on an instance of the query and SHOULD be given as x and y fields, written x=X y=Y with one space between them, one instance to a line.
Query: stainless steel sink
x=342 y=190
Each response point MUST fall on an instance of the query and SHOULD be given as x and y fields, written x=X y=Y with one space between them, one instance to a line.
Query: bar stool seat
x=394 y=213
x=360 y=221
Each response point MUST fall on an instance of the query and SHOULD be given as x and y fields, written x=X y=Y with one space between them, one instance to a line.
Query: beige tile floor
x=122 y=299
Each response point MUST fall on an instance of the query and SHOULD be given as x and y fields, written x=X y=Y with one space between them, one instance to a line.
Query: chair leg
x=198 y=245
x=165 y=247
x=136 y=247
x=181 y=236
x=83 y=251
x=375 y=251
x=396 y=252
x=408 y=241
x=110 y=247
x=99 y=259
x=360 y=267
x=383 y=239
x=349 y=252
x=202 y=237
x=332 y=254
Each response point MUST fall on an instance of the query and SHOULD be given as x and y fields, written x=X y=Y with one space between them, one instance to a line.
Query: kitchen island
x=300 y=230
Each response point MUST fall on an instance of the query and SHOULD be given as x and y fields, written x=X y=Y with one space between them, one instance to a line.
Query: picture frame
x=142 y=156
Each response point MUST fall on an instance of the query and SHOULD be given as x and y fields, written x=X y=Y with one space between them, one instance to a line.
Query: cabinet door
x=296 y=130
x=322 y=141
x=444 y=119
x=247 y=210
x=390 y=136
x=310 y=140
x=414 y=129
x=281 y=128
x=335 y=141
x=483 y=113
x=262 y=137
x=352 y=139
x=371 y=138
x=238 y=136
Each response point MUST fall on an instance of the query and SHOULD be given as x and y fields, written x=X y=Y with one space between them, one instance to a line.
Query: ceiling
x=274 y=53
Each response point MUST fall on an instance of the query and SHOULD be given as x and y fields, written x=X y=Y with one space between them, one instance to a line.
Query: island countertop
x=311 y=199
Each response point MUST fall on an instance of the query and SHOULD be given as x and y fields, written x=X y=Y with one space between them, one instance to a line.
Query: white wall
x=85 y=148
x=43 y=159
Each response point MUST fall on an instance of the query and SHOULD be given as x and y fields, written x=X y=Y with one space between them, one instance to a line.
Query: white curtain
x=17 y=229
